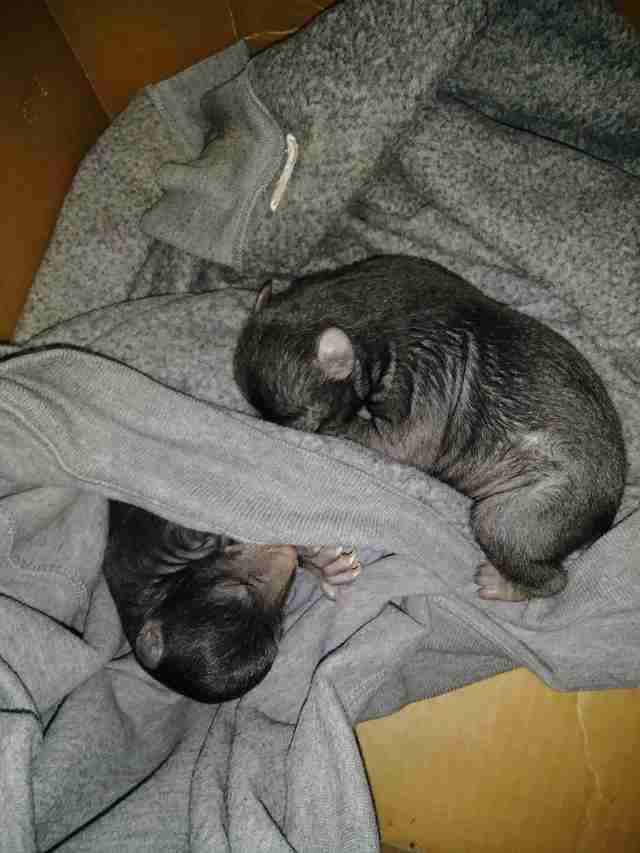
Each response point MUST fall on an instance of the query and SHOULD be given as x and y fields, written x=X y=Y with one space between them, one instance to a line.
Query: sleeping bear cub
x=402 y=356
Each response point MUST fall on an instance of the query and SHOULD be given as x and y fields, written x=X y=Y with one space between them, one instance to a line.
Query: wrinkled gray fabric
x=413 y=124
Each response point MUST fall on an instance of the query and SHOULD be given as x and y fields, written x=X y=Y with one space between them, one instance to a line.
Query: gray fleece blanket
x=500 y=139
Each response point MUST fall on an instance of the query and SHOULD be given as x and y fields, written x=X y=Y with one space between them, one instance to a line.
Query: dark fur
x=217 y=626
x=481 y=396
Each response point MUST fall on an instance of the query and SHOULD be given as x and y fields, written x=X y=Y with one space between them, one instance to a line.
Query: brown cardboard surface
x=122 y=46
x=509 y=765
x=630 y=9
x=262 y=23
x=506 y=765
x=50 y=116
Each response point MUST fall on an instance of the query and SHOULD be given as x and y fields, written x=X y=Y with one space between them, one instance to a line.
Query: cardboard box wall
x=502 y=766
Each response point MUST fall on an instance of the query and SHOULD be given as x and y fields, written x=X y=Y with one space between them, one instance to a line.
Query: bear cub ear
x=150 y=644
x=335 y=355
